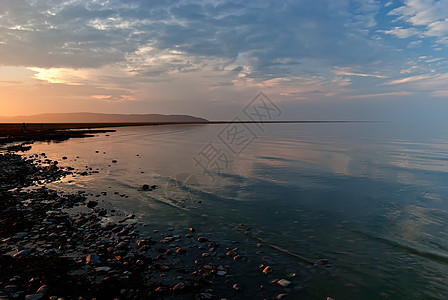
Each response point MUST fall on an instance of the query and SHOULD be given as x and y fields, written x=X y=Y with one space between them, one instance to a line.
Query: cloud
x=378 y=95
x=401 y=32
x=431 y=15
x=270 y=37
x=344 y=71
x=409 y=79
x=440 y=93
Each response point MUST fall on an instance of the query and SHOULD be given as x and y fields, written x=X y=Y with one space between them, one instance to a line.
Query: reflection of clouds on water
x=181 y=188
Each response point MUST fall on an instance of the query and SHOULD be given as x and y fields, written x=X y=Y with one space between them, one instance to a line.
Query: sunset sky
x=314 y=58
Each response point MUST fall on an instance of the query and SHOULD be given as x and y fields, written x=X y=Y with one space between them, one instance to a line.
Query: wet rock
x=43 y=289
x=11 y=289
x=284 y=282
x=91 y=203
x=231 y=253
x=122 y=245
x=21 y=235
x=201 y=296
x=179 y=287
x=93 y=259
x=22 y=253
x=34 y=297
x=50 y=252
x=102 y=269
x=267 y=270
x=181 y=251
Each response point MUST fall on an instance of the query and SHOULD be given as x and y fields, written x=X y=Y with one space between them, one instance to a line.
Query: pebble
x=91 y=203
x=179 y=287
x=25 y=252
x=102 y=269
x=284 y=282
x=93 y=259
x=34 y=297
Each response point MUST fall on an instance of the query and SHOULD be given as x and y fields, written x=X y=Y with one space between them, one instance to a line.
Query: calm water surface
x=370 y=198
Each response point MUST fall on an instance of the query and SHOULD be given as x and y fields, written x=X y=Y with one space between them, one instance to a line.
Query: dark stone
x=91 y=203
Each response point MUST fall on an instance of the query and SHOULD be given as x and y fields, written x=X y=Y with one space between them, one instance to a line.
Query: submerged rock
x=284 y=282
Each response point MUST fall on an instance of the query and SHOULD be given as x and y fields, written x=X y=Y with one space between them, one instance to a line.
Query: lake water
x=369 y=197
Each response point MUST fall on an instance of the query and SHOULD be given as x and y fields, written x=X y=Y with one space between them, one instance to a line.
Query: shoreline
x=67 y=246
x=21 y=132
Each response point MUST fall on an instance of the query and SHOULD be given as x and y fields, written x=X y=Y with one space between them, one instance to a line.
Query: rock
x=179 y=287
x=203 y=296
x=181 y=251
x=280 y=296
x=93 y=259
x=267 y=270
x=237 y=287
x=34 y=297
x=192 y=229
x=22 y=253
x=11 y=289
x=114 y=161
x=49 y=252
x=91 y=203
x=161 y=289
x=43 y=289
x=221 y=273
x=284 y=282
x=121 y=245
x=21 y=235
x=145 y=187
x=102 y=269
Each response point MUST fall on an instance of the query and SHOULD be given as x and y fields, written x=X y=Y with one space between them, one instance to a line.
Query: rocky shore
x=55 y=245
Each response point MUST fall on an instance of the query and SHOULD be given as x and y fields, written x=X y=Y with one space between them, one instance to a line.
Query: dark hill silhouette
x=84 y=117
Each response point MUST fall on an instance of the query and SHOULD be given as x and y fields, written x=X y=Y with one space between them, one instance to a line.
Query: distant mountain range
x=84 y=117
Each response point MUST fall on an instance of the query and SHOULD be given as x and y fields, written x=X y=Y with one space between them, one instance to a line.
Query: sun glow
x=60 y=75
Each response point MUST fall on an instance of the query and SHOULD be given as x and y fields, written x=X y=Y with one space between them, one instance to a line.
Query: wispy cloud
x=408 y=79
x=380 y=95
x=344 y=71
x=440 y=93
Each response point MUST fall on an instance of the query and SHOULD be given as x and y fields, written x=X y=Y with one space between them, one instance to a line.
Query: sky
x=325 y=59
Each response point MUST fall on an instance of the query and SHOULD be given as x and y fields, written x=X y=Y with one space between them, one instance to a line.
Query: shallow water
x=371 y=197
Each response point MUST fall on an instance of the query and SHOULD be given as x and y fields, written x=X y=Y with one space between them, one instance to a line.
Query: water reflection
x=370 y=197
